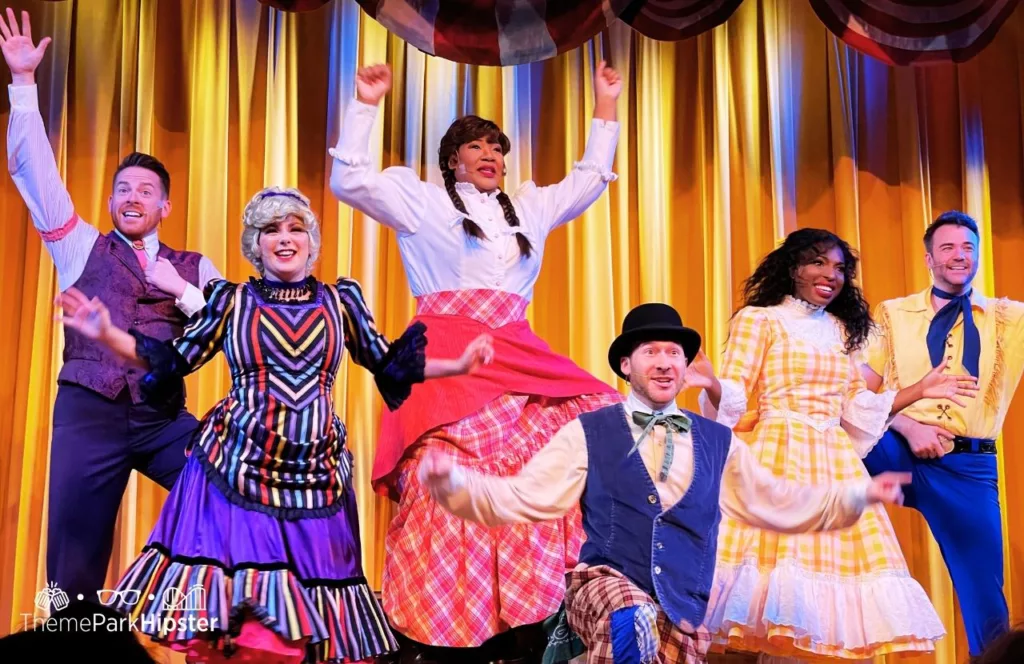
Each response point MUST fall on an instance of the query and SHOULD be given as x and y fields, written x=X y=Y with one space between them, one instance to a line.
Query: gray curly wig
x=272 y=205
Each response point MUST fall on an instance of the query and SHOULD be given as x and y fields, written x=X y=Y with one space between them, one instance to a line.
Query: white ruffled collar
x=798 y=306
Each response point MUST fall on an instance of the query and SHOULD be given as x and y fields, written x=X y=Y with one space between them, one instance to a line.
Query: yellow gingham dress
x=842 y=594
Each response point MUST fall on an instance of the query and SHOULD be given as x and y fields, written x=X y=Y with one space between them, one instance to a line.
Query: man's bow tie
x=678 y=423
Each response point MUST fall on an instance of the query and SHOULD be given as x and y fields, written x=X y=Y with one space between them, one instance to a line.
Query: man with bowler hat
x=653 y=481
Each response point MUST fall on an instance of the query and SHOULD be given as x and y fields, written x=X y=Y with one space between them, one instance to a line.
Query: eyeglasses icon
x=128 y=597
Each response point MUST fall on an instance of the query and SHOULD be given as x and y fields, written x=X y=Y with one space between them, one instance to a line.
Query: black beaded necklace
x=283 y=292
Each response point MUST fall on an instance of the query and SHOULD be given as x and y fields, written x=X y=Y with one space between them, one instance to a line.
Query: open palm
x=21 y=54
x=939 y=385
x=88 y=316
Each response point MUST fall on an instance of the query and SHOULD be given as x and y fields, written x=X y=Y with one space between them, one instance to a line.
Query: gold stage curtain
x=729 y=140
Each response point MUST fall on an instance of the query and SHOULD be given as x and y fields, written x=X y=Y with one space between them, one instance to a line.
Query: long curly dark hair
x=774 y=279
x=466 y=130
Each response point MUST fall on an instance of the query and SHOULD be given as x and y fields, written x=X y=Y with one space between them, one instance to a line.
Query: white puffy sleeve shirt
x=437 y=253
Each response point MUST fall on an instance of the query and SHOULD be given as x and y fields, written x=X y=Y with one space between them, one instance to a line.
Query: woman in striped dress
x=472 y=253
x=792 y=352
x=256 y=555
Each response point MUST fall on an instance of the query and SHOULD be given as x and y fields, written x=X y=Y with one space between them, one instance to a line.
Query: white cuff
x=731 y=407
x=600 y=152
x=191 y=300
x=24 y=97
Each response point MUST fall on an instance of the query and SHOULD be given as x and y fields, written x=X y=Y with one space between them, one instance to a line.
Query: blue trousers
x=958 y=495
x=96 y=445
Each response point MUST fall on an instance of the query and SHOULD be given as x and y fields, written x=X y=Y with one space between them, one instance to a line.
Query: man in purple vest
x=102 y=428
x=652 y=481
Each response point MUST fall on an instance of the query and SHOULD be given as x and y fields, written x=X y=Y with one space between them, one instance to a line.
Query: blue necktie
x=944 y=321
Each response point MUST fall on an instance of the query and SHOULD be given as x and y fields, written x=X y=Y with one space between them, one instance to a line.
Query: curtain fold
x=729 y=140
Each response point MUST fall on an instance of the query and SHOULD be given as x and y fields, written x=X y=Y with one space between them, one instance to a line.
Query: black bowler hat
x=654 y=321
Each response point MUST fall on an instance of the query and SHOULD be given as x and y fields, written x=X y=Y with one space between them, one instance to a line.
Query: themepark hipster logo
x=178 y=611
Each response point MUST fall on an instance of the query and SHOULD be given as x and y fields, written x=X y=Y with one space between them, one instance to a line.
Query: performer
x=102 y=429
x=794 y=347
x=951 y=449
x=653 y=481
x=263 y=521
x=472 y=254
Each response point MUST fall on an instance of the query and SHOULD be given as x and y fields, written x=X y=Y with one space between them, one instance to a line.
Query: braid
x=462 y=131
x=525 y=248
x=468 y=225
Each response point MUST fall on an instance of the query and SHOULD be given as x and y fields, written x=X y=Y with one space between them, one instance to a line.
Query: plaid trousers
x=594 y=593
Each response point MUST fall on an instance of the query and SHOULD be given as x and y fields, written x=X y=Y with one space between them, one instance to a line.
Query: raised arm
x=547 y=487
x=30 y=159
x=396 y=196
x=751 y=493
x=547 y=208
x=750 y=336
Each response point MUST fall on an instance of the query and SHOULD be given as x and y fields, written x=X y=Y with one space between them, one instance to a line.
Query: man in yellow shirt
x=950 y=449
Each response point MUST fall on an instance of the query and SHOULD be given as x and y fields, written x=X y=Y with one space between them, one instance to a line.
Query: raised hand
x=607 y=82
x=700 y=373
x=938 y=385
x=888 y=488
x=21 y=54
x=372 y=83
x=87 y=316
x=480 y=351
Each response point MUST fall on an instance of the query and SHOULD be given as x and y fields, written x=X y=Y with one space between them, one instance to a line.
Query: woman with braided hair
x=472 y=254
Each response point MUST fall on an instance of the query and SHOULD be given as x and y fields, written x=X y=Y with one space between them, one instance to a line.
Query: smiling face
x=138 y=203
x=479 y=162
x=656 y=370
x=953 y=259
x=820 y=280
x=473 y=150
x=284 y=249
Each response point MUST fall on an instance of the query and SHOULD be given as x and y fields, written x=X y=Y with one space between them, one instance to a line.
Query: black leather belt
x=965 y=445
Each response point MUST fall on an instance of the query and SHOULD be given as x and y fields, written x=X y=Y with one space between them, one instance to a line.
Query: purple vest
x=113 y=274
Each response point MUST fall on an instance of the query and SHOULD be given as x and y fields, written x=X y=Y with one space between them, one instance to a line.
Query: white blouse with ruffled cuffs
x=437 y=253
x=864 y=414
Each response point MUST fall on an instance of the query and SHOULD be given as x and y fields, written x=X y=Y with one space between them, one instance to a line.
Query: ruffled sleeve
x=749 y=339
x=731 y=407
x=866 y=414
x=396 y=366
x=547 y=208
x=878 y=353
x=170 y=361
x=402 y=366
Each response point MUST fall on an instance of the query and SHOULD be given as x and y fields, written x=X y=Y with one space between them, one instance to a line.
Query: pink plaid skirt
x=596 y=592
x=449 y=582
x=523 y=364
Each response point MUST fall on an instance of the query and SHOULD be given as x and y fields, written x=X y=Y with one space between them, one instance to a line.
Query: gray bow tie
x=678 y=423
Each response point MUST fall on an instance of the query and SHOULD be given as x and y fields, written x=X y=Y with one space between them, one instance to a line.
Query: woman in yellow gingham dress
x=844 y=594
